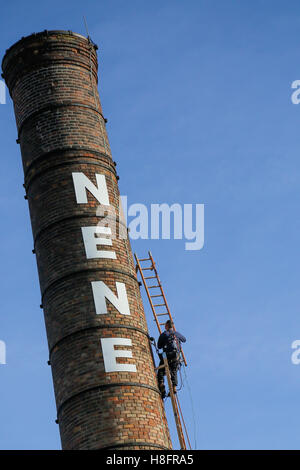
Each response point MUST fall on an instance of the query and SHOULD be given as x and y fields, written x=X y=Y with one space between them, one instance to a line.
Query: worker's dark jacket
x=164 y=337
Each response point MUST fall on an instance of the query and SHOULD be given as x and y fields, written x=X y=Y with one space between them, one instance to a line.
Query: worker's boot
x=162 y=390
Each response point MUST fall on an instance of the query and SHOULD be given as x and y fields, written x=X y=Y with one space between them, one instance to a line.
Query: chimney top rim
x=45 y=33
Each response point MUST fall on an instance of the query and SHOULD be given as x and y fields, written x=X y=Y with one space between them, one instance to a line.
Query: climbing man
x=169 y=341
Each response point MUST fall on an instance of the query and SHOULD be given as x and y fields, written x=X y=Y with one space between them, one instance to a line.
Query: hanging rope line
x=186 y=433
x=193 y=409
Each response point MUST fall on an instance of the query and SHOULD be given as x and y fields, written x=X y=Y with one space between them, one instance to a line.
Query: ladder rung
x=145 y=259
x=160 y=314
x=159 y=305
x=150 y=277
x=158 y=295
x=152 y=287
x=145 y=269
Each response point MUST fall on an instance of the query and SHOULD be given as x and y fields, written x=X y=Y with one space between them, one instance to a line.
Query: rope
x=181 y=381
x=193 y=410
x=183 y=422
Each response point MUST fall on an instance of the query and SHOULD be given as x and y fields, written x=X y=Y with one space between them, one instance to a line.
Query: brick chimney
x=103 y=371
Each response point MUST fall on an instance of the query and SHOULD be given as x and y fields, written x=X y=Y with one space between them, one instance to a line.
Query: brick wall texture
x=52 y=79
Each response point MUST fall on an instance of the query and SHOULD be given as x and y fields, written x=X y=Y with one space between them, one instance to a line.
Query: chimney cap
x=45 y=33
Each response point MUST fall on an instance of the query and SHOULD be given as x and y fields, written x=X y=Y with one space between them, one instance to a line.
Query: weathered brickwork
x=52 y=79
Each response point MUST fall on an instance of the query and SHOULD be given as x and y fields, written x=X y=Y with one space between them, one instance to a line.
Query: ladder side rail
x=182 y=419
x=174 y=398
x=165 y=300
x=180 y=422
x=147 y=291
x=174 y=405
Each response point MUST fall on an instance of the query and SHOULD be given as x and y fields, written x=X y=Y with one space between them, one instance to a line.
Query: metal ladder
x=160 y=297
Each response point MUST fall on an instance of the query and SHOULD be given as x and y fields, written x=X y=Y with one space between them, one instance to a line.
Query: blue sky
x=198 y=98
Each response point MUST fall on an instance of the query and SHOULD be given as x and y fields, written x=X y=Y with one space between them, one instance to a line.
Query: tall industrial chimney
x=102 y=366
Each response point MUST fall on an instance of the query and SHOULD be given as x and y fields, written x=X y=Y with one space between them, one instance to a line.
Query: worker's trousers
x=173 y=361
